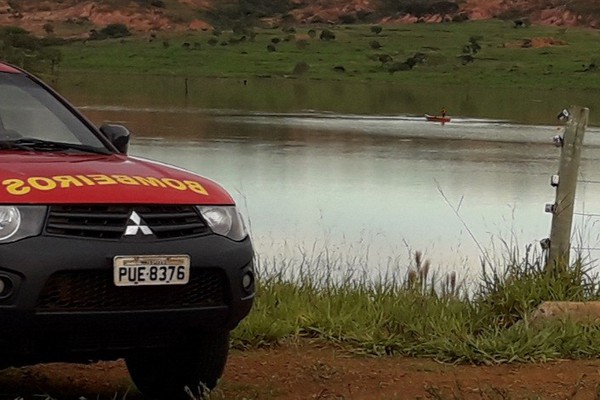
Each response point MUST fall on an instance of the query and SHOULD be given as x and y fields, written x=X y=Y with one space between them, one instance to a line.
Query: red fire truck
x=105 y=255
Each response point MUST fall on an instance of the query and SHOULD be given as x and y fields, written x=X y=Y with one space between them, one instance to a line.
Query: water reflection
x=521 y=105
x=374 y=186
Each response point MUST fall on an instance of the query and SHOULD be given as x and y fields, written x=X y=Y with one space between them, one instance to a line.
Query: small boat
x=437 y=118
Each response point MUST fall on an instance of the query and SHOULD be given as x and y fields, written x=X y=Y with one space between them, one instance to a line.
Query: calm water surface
x=367 y=188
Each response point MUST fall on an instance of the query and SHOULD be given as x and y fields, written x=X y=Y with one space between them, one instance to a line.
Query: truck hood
x=55 y=178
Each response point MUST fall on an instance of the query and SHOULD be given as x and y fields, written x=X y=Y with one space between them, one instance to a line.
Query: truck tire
x=174 y=373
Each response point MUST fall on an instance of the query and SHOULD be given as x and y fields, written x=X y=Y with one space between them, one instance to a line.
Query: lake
x=352 y=173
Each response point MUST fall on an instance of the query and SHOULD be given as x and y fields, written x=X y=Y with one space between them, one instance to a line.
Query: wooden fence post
x=562 y=218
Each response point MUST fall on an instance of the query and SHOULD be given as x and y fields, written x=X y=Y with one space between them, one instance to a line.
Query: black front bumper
x=64 y=306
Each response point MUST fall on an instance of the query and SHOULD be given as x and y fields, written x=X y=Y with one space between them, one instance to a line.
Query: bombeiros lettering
x=24 y=186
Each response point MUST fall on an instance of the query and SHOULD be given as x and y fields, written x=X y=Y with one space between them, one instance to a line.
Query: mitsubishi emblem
x=134 y=225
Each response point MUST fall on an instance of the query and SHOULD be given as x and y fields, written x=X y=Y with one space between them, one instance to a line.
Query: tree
x=248 y=12
x=473 y=47
x=444 y=8
x=419 y=8
x=19 y=47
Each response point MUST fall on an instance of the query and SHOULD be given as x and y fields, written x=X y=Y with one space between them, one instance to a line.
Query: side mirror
x=118 y=135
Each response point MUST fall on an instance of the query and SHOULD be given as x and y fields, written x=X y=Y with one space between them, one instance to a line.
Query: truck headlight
x=10 y=221
x=224 y=221
x=18 y=222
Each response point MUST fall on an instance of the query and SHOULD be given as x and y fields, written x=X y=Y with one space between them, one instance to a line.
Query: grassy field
x=424 y=314
x=503 y=58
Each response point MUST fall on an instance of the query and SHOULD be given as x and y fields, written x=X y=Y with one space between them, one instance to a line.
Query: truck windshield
x=28 y=111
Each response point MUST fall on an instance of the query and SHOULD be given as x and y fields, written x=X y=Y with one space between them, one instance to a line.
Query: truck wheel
x=171 y=374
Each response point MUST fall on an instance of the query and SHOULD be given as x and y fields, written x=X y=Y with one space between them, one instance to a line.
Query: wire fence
x=586 y=227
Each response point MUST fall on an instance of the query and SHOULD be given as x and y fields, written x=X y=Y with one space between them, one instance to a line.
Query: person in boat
x=443 y=112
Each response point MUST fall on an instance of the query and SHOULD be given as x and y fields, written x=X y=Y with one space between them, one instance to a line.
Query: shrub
x=374 y=44
x=251 y=10
x=327 y=35
x=522 y=23
x=237 y=40
x=376 y=29
x=466 y=59
x=48 y=28
x=153 y=3
x=115 y=30
x=239 y=28
x=398 y=66
x=461 y=17
x=384 y=58
x=302 y=44
x=348 y=18
x=301 y=68
x=110 y=31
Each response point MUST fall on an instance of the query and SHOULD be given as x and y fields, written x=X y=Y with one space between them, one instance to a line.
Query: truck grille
x=95 y=291
x=110 y=221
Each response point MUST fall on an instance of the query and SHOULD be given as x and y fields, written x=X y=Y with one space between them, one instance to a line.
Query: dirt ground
x=310 y=371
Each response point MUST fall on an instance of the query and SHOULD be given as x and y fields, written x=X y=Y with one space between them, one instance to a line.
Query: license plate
x=151 y=270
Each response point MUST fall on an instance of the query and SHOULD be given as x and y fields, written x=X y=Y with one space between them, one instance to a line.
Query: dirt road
x=309 y=371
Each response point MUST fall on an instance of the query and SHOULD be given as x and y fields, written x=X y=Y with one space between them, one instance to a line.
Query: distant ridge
x=77 y=17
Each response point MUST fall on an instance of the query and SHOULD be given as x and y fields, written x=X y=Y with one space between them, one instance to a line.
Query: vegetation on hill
x=19 y=47
x=249 y=12
x=74 y=17
x=417 y=8
x=486 y=53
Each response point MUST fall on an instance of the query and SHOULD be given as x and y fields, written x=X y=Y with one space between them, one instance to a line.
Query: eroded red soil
x=34 y=15
x=310 y=371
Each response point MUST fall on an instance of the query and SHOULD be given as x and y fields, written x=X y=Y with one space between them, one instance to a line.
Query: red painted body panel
x=8 y=68
x=55 y=178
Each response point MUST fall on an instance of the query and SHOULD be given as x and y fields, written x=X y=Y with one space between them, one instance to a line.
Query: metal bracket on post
x=558 y=141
